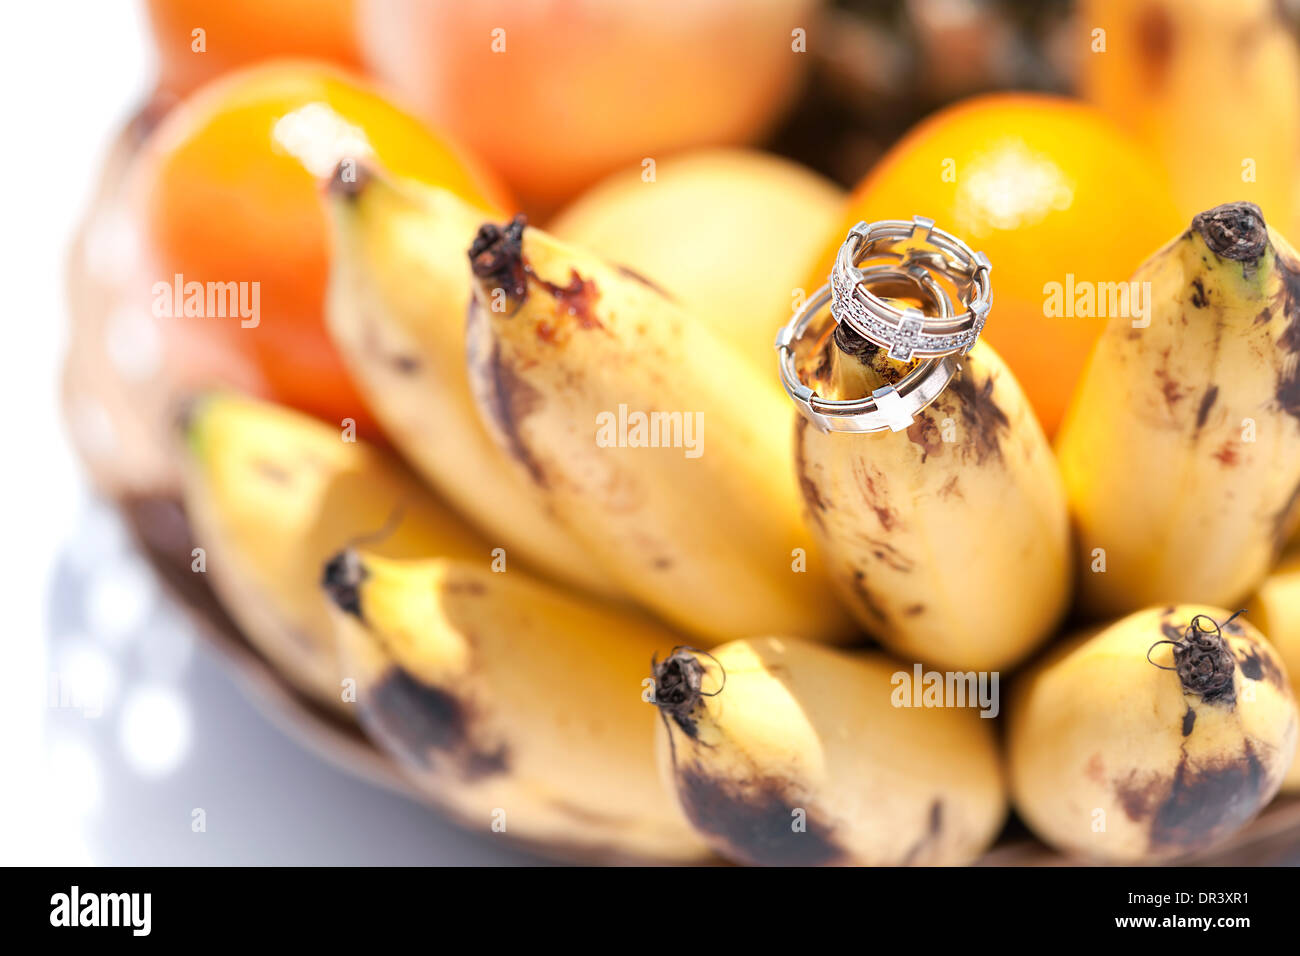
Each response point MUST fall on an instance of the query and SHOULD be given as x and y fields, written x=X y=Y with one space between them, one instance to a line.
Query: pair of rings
x=941 y=267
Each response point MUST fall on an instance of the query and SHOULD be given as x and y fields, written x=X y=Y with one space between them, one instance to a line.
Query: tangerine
x=1055 y=194
x=229 y=188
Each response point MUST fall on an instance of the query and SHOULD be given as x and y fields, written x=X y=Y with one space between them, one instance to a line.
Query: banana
x=1119 y=758
x=949 y=541
x=1181 y=450
x=271 y=494
x=788 y=753
x=655 y=441
x=1211 y=88
x=1275 y=610
x=516 y=707
x=396 y=310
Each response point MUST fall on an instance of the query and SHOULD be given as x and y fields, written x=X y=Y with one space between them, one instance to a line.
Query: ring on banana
x=907 y=332
x=890 y=407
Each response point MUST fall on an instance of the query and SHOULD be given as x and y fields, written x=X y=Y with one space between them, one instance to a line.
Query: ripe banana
x=271 y=494
x=1181 y=450
x=516 y=707
x=1123 y=759
x=396 y=311
x=1212 y=89
x=949 y=541
x=654 y=440
x=1275 y=610
x=788 y=753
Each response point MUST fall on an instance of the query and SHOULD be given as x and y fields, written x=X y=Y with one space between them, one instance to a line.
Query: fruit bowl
x=120 y=408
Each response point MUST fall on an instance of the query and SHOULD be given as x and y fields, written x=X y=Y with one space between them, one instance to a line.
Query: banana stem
x=1235 y=231
x=1202 y=660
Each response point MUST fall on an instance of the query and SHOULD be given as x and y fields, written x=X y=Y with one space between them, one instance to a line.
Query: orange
x=198 y=40
x=229 y=189
x=558 y=94
x=1052 y=192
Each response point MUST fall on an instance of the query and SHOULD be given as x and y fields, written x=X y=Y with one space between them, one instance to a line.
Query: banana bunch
x=1275 y=610
x=650 y=437
x=577 y=416
x=544 y=689
x=1181 y=451
x=396 y=311
x=270 y=495
x=789 y=753
x=518 y=708
x=1151 y=738
x=948 y=541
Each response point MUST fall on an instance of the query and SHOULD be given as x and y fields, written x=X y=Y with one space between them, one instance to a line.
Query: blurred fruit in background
x=1211 y=87
x=228 y=188
x=543 y=92
x=1050 y=189
x=238 y=33
x=730 y=233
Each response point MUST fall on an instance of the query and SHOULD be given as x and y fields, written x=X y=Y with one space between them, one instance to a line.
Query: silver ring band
x=890 y=407
x=909 y=333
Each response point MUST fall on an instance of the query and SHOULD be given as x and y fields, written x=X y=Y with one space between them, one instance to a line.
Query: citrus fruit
x=1059 y=199
x=198 y=40
x=229 y=190
x=556 y=95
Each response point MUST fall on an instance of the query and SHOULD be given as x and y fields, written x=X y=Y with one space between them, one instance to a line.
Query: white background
x=176 y=734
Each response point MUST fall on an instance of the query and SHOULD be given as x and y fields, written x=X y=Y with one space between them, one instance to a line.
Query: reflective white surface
x=155 y=756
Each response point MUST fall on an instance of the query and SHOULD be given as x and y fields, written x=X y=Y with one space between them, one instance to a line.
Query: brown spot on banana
x=875 y=494
x=925 y=433
x=984 y=420
x=505 y=397
x=1207 y=402
x=867 y=602
x=1172 y=391
x=1258 y=664
x=888 y=555
x=645 y=281
x=1138 y=796
x=426 y=725
x=1199 y=298
x=754 y=821
x=430 y=727
x=1206 y=801
x=808 y=487
x=1226 y=455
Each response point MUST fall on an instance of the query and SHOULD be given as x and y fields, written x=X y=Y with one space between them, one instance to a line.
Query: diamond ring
x=917 y=248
